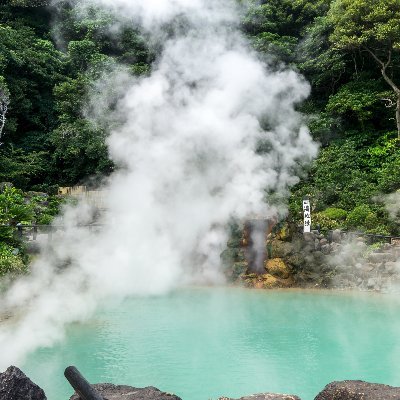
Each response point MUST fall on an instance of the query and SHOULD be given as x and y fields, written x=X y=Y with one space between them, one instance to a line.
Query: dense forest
x=349 y=51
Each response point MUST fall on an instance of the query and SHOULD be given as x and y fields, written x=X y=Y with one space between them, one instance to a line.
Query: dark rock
x=122 y=392
x=379 y=258
x=335 y=246
x=296 y=260
x=309 y=236
x=308 y=248
x=323 y=242
x=337 y=236
x=391 y=267
x=15 y=385
x=4 y=185
x=266 y=396
x=32 y=247
x=280 y=248
x=36 y=194
x=371 y=284
x=326 y=249
x=358 y=390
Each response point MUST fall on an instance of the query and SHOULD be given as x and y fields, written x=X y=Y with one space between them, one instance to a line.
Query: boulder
x=372 y=284
x=337 y=236
x=15 y=385
x=379 y=258
x=268 y=282
x=323 y=241
x=277 y=268
x=326 y=249
x=392 y=267
x=309 y=236
x=122 y=392
x=280 y=248
x=358 y=390
x=266 y=396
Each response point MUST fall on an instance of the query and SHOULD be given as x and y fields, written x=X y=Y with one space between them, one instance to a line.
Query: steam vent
x=256 y=232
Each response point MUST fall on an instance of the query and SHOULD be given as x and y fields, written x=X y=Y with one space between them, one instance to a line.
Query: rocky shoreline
x=15 y=385
x=338 y=260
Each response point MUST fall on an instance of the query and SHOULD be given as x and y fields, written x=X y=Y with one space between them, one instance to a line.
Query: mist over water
x=187 y=143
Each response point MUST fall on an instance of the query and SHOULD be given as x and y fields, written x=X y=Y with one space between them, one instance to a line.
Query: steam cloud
x=187 y=143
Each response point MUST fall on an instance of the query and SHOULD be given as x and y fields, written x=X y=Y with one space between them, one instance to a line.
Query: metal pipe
x=82 y=387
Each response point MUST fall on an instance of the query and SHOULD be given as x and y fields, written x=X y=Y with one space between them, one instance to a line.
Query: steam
x=187 y=143
x=392 y=205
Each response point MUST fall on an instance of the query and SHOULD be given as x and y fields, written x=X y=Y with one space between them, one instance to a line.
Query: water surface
x=202 y=343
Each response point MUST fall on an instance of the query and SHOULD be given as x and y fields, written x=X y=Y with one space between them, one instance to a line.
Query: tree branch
x=389 y=103
x=384 y=67
x=380 y=62
x=3 y=111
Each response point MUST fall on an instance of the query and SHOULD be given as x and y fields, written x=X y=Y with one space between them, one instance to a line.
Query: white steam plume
x=187 y=150
x=392 y=205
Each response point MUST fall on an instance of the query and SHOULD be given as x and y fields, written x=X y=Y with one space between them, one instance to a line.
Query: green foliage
x=388 y=176
x=29 y=66
x=282 y=47
x=23 y=168
x=10 y=260
x=13 y=207
x=361 y=216
x=80 y=151
x=365 y=22
x=324 y=222
x=335 y=213
x=356 y=97
x=323 y=66
x=48 y=141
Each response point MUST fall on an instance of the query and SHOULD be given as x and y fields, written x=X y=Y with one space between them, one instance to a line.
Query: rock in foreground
x=267 y=396
x=15 y=385
x=122 y=392
x=358 y=390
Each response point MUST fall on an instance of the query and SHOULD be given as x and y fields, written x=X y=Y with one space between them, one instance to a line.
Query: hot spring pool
x=203 y=343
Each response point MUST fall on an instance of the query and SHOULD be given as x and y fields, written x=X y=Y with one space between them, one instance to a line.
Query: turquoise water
x=207 y=342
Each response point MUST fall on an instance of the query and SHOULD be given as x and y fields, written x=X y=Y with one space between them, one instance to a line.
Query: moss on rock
x=277 y=268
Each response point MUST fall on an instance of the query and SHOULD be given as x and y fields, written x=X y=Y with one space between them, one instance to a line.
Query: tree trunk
x=396 y=89
x=3 y=112
x=389 y=81
x=398 y=115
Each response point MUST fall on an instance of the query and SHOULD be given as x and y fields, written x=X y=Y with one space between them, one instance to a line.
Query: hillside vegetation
x=349 y=51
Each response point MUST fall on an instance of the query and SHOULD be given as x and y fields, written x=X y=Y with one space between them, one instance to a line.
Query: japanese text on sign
x=307 y=215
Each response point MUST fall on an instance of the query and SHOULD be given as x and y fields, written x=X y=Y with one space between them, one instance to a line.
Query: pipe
x=82 y=387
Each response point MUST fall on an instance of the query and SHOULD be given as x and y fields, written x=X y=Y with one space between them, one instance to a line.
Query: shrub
x=335 y=213
x=362 y=217
x=325 y=223
x=10 y=260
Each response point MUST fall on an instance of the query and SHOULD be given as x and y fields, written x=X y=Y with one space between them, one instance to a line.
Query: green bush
x=45 y=219
x=335 y=213
x=10 y=260
x=362 y=217
x=325 y=223
x=13 y=207
x=329 y=219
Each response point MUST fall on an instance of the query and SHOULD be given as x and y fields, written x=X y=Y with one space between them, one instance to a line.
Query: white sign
x=307 y=215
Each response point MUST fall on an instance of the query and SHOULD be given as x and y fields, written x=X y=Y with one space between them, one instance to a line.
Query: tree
x=371 y=26
x=4 y=102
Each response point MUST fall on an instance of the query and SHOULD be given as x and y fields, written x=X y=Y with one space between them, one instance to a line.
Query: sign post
x=307 y=216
